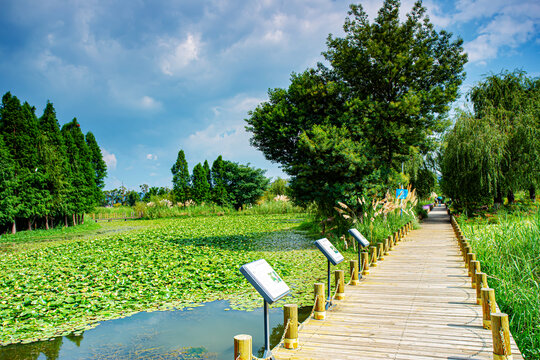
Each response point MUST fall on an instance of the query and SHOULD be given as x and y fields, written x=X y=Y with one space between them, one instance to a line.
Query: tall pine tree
x=181 y=178
x=219 y=191
x=99 y=165
x=8 y=184
x=201 y=189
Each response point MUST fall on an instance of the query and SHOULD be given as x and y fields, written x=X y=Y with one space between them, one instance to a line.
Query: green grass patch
x=508 y=246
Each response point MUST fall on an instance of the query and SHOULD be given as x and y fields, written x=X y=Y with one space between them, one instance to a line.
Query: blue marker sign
x=402 y=194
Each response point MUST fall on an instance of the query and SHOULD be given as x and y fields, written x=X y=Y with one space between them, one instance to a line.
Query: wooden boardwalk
x=416 y=304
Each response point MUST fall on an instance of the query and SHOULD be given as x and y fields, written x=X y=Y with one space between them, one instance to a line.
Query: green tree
x=208 y=172
x=470 y=165
x=181 y=179
x=8 y=185
x=98 y=164
x=20 y=128
x=219 y=193
x=132 y=197
x=343 y=131
x=510 y=103
x=244 y=184
x=82 y=173
x=56 y=164
x=200 y=189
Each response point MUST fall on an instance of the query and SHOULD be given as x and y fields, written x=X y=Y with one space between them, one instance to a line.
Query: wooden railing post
x=242 y=347
x=475 y=268
x=380 y=252
x=339 y=276
x=353 y=268
x=470 y=258
x=481 y=282
x=320 y=302
x=365 y=263
x=488 y=306
x=501 y=337
x=290 y=317
x=373 y=256
x=390 y=243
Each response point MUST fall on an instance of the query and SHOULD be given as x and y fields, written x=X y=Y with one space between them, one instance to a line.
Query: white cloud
x=151 y=157
x=226 y=135
x=149 y=103
x=109 y=158
x=179 y=54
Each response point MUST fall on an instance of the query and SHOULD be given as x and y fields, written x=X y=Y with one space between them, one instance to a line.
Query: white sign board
x=359 y=237
x=329 y=251
x=265 y=280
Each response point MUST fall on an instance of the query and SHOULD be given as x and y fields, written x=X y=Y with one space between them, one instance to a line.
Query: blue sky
x=149 y=78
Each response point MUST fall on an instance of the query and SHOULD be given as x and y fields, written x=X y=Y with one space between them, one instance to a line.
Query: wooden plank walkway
x=416 y=304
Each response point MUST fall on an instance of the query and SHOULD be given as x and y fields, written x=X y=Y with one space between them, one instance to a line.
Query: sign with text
x=362 y=241
x=265 y=280
x=402 y=193
x=329 y=251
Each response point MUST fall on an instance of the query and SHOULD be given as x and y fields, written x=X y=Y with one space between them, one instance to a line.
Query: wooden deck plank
x=417 y=303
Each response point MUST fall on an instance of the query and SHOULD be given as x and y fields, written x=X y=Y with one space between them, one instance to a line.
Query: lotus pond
x=65 y=288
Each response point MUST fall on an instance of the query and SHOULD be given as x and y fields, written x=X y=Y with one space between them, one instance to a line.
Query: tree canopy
x=48 y=173
x=342 y=131
x=495 y=150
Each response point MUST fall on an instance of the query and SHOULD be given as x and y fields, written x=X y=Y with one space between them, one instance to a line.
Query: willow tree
x=342 y=130
x=470 y=162
x=510 y=103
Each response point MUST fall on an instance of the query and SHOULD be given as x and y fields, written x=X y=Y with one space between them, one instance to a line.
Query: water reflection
x=205 y=332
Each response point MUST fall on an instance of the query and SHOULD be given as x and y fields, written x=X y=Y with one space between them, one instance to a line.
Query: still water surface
x=205 y=332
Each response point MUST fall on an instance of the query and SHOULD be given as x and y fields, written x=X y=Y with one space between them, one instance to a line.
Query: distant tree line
x=494 y=151
x=226 y=183
x=48 y=175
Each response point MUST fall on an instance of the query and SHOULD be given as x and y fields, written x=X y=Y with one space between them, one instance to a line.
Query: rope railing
x=491 y=319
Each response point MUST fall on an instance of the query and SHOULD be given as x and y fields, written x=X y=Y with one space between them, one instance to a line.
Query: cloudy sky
x=149 y=78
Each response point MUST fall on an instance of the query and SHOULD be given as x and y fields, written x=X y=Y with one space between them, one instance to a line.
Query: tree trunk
x=74 y=220
x=65 y=220
x=46 y=222
x=510 y=197
x=532 y=193
x=498 y=197
x=29 y=225
x=82 y=218
x=14 y=227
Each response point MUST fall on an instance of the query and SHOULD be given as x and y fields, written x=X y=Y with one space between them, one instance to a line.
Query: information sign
x=265 y=280
x=362 y=241
x=401 y=193
x=329 y=250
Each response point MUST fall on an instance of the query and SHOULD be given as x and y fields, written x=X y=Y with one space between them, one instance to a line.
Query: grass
x=508 y=246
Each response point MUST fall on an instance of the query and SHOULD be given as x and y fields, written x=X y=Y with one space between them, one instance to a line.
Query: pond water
x=205 y=332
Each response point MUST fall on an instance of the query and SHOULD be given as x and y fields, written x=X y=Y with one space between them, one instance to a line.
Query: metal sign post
x=334 y=257
x=271 y=287
x=362 y=243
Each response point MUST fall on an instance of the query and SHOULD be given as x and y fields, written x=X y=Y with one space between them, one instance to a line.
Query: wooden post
x=481 y=282
x=339 y=276
x=242 y=347
x=353 y=268
x=395 y=238
x=320 y=302
x=390 y=243
x=365 y=263
x=380 y=253
x=470 y=258
x=290 y=316
x=501 y=337
x=488 y=306
x=475 y=265
x=373 y=256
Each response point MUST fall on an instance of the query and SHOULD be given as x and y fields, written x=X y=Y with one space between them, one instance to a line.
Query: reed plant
x=508 y=247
